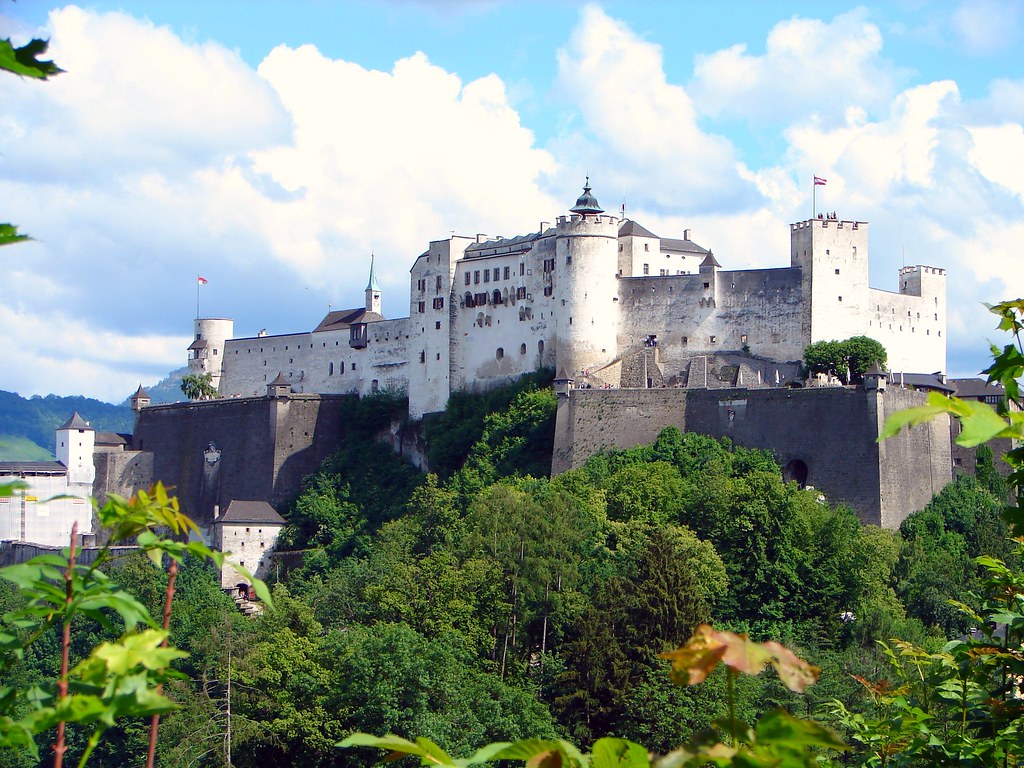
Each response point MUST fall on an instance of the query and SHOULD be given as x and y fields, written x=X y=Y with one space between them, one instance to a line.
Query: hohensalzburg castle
x=602 y=300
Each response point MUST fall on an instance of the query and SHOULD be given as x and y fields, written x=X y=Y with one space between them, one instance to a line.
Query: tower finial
x=587 y=203
x=372 y=285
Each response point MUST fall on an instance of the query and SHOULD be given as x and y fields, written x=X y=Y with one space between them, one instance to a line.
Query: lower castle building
x=591 y=296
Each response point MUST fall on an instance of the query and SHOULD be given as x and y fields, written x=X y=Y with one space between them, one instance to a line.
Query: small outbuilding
x=247 y=533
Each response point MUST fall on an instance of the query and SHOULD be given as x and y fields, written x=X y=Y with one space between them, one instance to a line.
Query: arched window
x=500 y=353
x=496 y=297
x=522 y=349
x=469 y=299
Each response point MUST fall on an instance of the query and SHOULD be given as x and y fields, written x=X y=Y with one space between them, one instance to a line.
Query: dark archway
x=796 y=470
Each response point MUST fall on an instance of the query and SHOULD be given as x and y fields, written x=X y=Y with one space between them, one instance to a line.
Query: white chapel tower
x=373 y=291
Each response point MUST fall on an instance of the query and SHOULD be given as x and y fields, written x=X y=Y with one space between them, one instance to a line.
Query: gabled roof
x=76 y=422
x=681 y=246
x=241 y=512
x=920 y=381
x=112 y=438
x=632 y=229
x=341 y=319
x=976 y=388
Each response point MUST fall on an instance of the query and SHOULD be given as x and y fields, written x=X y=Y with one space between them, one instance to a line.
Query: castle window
x=341 y=367
x=940 y=333
x=522 y=269
x=423 y=356
x=548 y=290
x=439 y=303
x=620 y=247
x=437 y=326
x=438 y=355
x=505 y=275
x=647 y=269
x=468 y=278
x=290 y=361
x=497 y=273
x=374 y=386
x=855 y=250
x=663 y=272
x=422 y=306
x=743 y=338
x=707 y=285
x=936 y=315
x=540 y=346
x=438 y=284
x=215 y=351
x=714 y=339
x=837 y=271
x=487 y=275
x=686 y=339
x=496 y=297
x=521 y=294
x=353 y=366
x=499 y=354
x=476 y=276
x=330 y=369
x=826 y=251
x=568 y=258
x=647 y=246
x=522 y=349
x=570 y=321
x=840 y=298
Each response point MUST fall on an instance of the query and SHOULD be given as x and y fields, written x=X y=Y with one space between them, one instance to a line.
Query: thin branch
x=65 y=647
x=154 y=723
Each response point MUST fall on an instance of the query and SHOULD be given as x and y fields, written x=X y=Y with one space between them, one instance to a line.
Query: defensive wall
x=255 y=449
x=825 y=437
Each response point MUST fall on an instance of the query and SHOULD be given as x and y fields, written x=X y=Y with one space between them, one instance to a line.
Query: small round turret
x=587 y=203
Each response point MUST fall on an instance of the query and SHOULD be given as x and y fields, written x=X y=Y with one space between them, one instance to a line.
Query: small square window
x=837 y=271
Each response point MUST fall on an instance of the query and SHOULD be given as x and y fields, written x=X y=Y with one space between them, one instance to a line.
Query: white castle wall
x=215 y=331
x=575 y=296
x=47 y=519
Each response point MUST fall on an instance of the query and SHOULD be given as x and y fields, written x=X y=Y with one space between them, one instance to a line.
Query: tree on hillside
x=198 y=386
x=847 y=360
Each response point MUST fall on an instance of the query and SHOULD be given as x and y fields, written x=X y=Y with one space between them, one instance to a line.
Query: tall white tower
x=585 y=264
x=373 y=290
x=206 y=352
x=75 y=443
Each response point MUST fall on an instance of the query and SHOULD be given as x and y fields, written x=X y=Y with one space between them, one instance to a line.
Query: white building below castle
x=588 y=296
x=57 y=494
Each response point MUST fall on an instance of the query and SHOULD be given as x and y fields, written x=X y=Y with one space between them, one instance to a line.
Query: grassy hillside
x=22 y=449
x=36 y=418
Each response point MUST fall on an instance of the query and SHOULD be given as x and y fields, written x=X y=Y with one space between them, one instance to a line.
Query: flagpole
x=814 y=200
x=198 y=286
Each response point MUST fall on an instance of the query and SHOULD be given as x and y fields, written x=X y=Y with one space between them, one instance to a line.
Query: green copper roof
x=373 y=285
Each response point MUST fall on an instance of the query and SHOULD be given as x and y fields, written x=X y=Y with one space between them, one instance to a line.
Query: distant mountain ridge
x=35 y=418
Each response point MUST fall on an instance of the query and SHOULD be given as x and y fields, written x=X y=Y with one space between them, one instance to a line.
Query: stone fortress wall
x=822 y=436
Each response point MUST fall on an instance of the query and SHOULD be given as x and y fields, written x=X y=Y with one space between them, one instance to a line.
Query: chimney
x=686 y=234
x=544 y=226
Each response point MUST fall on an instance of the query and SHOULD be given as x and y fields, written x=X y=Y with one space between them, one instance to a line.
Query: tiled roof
x=342 y=318
x=75 y=422
x=976 y=388
x=111 y=438
x=684 y=246
x=240 y=512
x=920 y=381
x=632 y=229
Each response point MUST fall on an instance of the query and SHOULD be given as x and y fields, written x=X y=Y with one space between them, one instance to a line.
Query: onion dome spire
x=587 y=203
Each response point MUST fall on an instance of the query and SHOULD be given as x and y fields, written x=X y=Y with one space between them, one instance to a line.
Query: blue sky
x=272 y=146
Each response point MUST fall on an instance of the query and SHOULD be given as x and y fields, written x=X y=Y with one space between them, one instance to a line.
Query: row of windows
x=927 y=331
x=498 y=273
x=341 y=368
x=437 y=303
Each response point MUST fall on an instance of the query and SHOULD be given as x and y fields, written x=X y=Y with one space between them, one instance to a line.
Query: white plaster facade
x=247 y=533
x=58 y=492
x=583 y=296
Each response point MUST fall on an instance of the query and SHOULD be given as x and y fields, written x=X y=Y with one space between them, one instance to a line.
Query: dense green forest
x=487 y=602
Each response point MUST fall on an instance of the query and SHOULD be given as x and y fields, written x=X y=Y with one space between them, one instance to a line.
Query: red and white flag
x=819 y=182
x=203 y=280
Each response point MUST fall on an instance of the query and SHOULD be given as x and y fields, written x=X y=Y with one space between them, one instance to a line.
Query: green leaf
x=618 y=753
x=780 y=727
x=24 y=61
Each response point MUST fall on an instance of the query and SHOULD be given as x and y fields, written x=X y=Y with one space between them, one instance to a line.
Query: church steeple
x=373 y=290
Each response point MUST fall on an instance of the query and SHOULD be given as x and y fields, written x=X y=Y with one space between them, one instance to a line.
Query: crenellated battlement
x=577 y=224
x=923 y=269
x=825 y=224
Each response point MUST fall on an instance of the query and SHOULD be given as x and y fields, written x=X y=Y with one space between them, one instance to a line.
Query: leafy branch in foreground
x=777 y=739
x=981 y=422
x=119 y=679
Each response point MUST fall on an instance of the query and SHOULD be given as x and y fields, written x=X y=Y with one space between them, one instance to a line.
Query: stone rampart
x=824 y=437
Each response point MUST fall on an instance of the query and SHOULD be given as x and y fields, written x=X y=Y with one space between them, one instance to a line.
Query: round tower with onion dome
x=584 y=276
